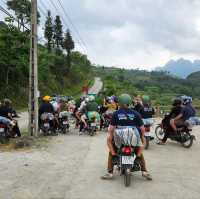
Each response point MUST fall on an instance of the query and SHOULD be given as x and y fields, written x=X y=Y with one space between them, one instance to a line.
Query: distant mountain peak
x=181 y=67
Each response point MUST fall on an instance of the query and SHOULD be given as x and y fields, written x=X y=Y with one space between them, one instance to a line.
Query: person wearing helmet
x=137 y=103
x=91 y=110
x=187 y=112
x=6 y=114
x=168 y=121
x=46 y=106
x=147 y=111
x=122 y=119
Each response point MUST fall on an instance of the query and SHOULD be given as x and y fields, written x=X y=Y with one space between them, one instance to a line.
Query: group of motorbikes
x=52 y=124
x=126 y=160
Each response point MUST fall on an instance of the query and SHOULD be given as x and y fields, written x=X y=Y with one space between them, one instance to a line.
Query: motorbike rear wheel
x=127 y=178
x=159 y=132
x=91 y=132
x=189 y=142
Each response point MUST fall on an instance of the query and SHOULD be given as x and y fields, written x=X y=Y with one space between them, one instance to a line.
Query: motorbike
x=183 y=136
x=4 y=133
x=126 y=162
x=147 y=125
x=92 y=126
x=64 y=122
x=47 y=124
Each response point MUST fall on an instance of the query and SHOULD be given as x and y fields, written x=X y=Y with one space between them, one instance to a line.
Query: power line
x=15 y=19
x=10 y=15
x=79 y=41
x=76 y=30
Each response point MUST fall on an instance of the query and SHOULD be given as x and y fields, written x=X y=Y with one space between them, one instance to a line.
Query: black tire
x=147 y=142
x=91 y=132
x=189 y=142
x=127 y=178
x=159 y=133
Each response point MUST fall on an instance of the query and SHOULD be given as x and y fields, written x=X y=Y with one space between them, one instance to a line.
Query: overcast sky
x=134 y=33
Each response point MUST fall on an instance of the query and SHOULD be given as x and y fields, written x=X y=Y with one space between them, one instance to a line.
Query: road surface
x=71 y=166
x=95 y=89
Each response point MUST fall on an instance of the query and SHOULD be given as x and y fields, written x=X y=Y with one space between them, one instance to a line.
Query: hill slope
x=159 y=85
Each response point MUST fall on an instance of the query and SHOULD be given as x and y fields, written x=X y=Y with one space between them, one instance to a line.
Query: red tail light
x=127 y=150
x=2 y=125
x=147 y=129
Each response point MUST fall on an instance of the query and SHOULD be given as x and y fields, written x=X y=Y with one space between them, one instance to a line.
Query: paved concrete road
x=96 y=88
x=70 y=168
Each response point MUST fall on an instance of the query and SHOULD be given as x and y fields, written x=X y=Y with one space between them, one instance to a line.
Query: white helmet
x=87 y=99
x=91 y=98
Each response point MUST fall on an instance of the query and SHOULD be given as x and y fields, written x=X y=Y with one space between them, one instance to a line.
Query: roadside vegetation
x=61 y=69
x=160 y=86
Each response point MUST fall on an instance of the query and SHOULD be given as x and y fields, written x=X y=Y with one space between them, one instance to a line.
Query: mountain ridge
x=181 y=67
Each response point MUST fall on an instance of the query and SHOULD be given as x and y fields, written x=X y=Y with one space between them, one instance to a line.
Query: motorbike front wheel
x=127 y=178
x=159 y=132
x=189 y=140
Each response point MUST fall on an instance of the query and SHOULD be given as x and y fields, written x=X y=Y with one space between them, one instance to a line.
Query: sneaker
x=80 y=133
x=107 y=176
x=161 y=143
x=146 y=175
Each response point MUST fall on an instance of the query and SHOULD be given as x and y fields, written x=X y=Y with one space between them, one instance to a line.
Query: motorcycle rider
x=168 y=121
x=90 y=110
x=147 y=110
x=6 y=114
x=125 y=117
x=186 y=113
x=137 y=103
x=46 y=107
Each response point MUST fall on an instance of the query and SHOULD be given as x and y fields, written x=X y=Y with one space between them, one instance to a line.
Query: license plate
x=128 y=160
x=147 y=134
x=2 y=130
x=65 y=122
x=93 y=125
x=46 y=125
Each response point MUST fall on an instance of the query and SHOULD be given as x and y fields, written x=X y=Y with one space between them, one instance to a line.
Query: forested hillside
x=159 y=85
x=61 y=69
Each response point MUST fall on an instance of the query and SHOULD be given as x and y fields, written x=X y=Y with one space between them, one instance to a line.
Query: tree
x=22 y=9
x=68 y=46
x=48 y=33
x=58 y=32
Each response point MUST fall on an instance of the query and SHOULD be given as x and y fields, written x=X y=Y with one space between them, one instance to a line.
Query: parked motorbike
x=183 y=136
x=64 y=122
x=126 y=162
x=47 y=124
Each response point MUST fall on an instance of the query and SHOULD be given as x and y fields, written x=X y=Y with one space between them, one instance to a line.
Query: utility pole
x=33 y=76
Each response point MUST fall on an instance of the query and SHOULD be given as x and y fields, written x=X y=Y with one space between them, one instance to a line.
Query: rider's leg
x=173 y=125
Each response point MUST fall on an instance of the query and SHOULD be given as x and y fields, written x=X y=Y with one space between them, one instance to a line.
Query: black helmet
x=177 y=102
x=7 y=102
x=186 y=99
